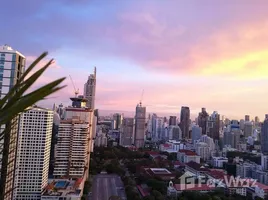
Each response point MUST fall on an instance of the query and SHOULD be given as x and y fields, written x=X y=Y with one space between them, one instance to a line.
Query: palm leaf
x=17 y=101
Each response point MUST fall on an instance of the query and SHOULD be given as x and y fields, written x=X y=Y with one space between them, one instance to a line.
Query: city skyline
x=181 y=53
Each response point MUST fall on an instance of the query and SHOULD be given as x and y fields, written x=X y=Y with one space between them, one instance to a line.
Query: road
x=106 y=185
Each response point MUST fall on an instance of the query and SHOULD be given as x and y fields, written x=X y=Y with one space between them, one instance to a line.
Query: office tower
x=248 y=129
x=127 y=131
x=12 y=66
x=185 y=121
x=202 y=149
x=196 y=133
x=172 y=121
x=174 y=133
x=32 y=164
x=73 y=145
x=154 y=126
x=140 y=118
x=90 y=90
x=202 y=120
x=242 y=124
x=213 y=126
x=118 y=120
x=209 y=141
x=247 y=118
x=101 y=140
x=232 y=134
x=264 y=136
x=257 y=121
x=264 y=162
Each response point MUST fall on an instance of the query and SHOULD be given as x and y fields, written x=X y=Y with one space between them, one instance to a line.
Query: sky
x=194 y=53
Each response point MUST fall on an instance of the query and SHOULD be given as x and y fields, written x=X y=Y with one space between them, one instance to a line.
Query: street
x=106 y=185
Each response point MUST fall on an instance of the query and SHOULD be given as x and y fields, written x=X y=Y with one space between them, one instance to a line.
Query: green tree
x=17 y=100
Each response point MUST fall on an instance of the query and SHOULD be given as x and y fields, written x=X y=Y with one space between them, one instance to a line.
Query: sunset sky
x=196 y=53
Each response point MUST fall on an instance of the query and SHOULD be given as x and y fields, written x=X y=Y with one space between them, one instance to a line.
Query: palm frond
x=16 y=101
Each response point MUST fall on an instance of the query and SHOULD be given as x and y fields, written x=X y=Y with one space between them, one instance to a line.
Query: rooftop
x=179 y=163
x=216 y=174
x=63 y=187
x=196 y=187
x=160 y=171
x=187 y=152
x=197 y=166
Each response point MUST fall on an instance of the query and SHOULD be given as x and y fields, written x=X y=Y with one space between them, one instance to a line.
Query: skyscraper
x=140 y=118
x=185 y=121
x=31 y=174
x=196 y=133
x=12 y=66
x=127 y=131
x=213 y=126
x=172 y=121
x=248 y=129
x=90 y=90
x=73 y=145
x=247 y=118
x=118 y=120
x=264 y=135
x=202 y=120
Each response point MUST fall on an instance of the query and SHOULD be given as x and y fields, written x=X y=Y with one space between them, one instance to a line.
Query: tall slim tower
x=12 y=66
x=90 y=90
x=127 y=130
x=202 y=120
x=185 y=121
x=31 y=174
x=140 y=118
x=264 y=136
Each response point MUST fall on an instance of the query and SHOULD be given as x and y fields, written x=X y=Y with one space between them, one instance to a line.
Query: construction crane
x=76 y=91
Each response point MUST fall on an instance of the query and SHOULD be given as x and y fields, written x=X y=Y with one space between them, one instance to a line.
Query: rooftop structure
x=63 y=188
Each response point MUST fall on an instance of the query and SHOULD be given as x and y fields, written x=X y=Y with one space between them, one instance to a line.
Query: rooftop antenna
x=141 y=97
x=76 y=91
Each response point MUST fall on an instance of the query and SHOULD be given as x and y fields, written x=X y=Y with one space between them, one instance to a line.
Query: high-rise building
x=196 y=133
x=174 y=133
x=32 y=164
x=232 y=134
x=90 y=90
x=242 y=124
x=140 y=118
x=264 y=136
x=202 y=149
x=172 y=121
x=247 y=118
x=185 y=121
x=73 y=145
x=257 y=121
x=248 y=129
x=202 y=120
x=127 y=131
x=213 y=126
x=55 y=128
x=118 y=120
x=12 y=66
x=209 y=141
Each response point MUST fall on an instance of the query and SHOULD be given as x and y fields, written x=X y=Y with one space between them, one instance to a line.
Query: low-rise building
x=176 y=189
x=161 y=173
x=218 y=161
x=186 y=156
x=196 y=169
